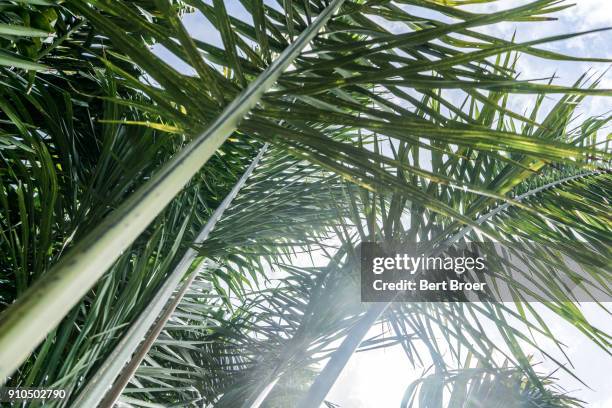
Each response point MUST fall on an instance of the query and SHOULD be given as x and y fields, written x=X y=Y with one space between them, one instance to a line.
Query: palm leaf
x=367 y=104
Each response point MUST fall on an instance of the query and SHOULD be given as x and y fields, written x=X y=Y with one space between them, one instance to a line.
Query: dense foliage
x=369 y=142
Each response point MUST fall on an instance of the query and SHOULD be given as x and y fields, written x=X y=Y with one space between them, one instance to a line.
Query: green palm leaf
x=367 y=143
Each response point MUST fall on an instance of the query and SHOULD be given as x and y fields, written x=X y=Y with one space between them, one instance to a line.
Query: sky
x=584 y=16
x=378 y=379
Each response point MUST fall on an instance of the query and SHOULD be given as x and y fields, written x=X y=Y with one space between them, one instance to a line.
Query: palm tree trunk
x=26 y=322
x=327 y=378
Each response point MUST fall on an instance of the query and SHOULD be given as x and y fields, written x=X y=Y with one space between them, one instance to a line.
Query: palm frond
x=369 y=142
